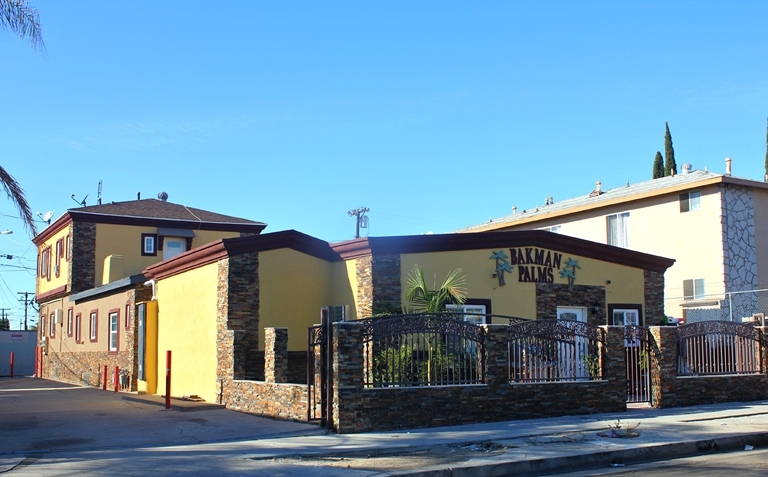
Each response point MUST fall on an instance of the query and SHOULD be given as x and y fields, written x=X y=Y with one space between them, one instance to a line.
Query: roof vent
x=163 y=196
x=687 y=168
x=727 y=166
x=598 y=190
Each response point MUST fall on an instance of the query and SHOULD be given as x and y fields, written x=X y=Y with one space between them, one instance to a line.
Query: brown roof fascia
x=52 y=229
x=52 y=294
x=513 y=239
x=607 y=203
x=170 y=223
x=215 y=251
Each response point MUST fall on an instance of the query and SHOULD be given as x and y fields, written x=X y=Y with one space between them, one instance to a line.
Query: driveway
x=38 y=415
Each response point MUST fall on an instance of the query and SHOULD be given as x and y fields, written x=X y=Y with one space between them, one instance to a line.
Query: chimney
x=727 y=166
x=599 y=187
x=138 y=196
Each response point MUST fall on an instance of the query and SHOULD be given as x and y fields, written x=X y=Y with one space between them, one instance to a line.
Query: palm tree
x=431 y=301
x=16 y=195
x=23 y=20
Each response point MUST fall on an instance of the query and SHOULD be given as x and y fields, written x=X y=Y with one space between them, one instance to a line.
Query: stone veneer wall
x=551 y=295
x=654 y=298
x=82 y=272
x=364 y=273
x=669 y=390
x=739 y=248
x=378 y=282
x=242 y=311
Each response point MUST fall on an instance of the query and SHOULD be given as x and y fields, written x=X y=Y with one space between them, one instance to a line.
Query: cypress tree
x=658 y=165
x=766 y=151
x=670 y=167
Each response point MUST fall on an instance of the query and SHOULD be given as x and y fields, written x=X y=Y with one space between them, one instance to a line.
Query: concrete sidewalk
x=540 y=446
x=142 y=438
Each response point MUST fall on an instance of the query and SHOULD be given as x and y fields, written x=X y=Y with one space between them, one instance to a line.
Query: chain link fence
x=735 y=306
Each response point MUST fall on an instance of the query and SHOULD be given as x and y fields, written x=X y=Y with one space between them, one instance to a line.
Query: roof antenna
x=98 y=201
x=81 y=202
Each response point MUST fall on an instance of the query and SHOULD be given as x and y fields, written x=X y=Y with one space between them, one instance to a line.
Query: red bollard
x=104 y=379
x=37 y=353
x=168 y=379
x=11 y=364
x=42 y=362
x=117 y=378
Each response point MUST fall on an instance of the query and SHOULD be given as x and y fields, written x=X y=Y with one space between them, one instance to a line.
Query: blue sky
x=435 y=115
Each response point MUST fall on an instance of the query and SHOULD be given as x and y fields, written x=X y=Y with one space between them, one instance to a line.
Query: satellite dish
x=46 y=217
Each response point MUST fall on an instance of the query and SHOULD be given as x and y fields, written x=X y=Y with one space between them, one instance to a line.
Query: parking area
x=38 y=415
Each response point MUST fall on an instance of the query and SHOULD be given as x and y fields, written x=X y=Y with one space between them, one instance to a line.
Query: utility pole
x=27 y=301
x=4 y=319
x=359 y=214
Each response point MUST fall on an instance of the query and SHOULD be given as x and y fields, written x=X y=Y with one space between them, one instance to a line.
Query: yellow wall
x=187 y=326
x=516 y=298
x=693 y=239
x=345 y=286
x=125 y=240
x=44 y=284
x=151 y=358
x=293 y=287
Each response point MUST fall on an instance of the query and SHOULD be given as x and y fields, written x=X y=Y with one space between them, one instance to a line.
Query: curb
x=594 y=460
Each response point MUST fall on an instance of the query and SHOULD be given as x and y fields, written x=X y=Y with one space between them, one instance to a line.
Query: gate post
x=615 y=367
x=663 y=366
x=347 y=384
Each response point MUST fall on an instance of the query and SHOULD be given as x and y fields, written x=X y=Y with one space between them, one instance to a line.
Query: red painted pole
x=11 y=364
x=104 y=379
x=42 y=361
x=37 y=355
x=117 y=378
x=168 y=379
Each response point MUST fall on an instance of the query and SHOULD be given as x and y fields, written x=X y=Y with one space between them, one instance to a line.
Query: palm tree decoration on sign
x=569 y=271
x=502 y=265
x=432 y=301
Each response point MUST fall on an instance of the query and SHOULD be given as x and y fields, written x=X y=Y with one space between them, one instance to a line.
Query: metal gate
x=319 y=369
x=637 y=351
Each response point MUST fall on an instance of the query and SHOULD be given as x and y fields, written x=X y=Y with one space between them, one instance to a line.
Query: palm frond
x=16 y=195
x=23 y=20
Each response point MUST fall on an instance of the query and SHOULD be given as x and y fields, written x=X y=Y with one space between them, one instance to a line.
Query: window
x=690 y=201
x=94 y=324
x=70 y=321
x=475 y=310
x=69 y=248
x=693 y=289
x=59 y=254
x=149 y=244
x=79 y=328
x=45 y=263
x=42 y=325
x=618 y=230
x=52 y=324
x=114 y=330
x=127 y=316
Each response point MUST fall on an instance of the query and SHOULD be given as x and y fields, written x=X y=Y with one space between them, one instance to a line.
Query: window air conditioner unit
x=55 y=269
x=59 y=316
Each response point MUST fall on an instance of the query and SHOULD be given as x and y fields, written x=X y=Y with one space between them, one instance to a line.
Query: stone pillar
x=615 y=367
x=347 y=384
x=663 y=366
x=495 y=363
x=276 y=355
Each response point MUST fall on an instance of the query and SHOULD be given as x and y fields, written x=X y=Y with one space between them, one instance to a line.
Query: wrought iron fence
x=422 y=350
x=717 y=348
x=555 y=351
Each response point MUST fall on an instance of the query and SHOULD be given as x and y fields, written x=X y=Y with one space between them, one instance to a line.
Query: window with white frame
x=618 y=229
x=70 y=321
x=52 y=324
x=79 y=328
x=149 y=244
x=690 y=201
x=472 y=313
x=42 y=325
x=94 y=323
x=114 y=330
x=693 y=289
